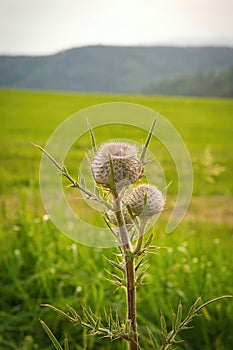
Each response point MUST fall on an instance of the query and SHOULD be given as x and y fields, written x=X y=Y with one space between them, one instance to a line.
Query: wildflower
x=126 y=165
x=145 y=200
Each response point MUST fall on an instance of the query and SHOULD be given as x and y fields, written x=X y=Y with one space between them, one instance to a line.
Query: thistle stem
x=131 y=302
x=129 y=275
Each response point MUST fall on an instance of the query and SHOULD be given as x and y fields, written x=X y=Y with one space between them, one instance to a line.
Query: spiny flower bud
x=145 y=200
x=126 y=165
x=112 y=217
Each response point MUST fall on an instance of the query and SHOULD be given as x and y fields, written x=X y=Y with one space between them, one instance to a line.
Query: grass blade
x=66 y=343
x=51 y=336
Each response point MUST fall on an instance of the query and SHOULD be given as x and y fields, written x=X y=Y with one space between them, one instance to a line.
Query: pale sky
x=47 y=26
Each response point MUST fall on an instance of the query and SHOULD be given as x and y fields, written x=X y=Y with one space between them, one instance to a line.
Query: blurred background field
x=40 y=265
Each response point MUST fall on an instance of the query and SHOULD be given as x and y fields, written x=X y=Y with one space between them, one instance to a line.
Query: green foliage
x=39 y=265
x=201 y=84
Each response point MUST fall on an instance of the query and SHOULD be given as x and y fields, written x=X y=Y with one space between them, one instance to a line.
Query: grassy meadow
x=39 y=265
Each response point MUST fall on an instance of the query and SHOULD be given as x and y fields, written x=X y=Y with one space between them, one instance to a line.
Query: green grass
x=40 y=265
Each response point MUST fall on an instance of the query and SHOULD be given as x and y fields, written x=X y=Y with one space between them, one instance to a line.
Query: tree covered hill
x=219 y=84
x=111 y=68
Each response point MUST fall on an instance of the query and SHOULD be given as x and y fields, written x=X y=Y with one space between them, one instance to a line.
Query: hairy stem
x=129 y=275
x=131 y=302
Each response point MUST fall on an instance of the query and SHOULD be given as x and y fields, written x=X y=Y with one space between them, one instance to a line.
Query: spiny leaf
x=58 y=166
x=74 y=183
x=144 y=148
x=110 y=319
x=178 y=316
x=163 y=325
x=92 y=137
x=140 y=277
x=51 y=336
x=117 y=278
x=140 y=263
x=91 y=317
x=73 y=312
x=149 y=240
x=108 y=225
x=132 y=216
x=96 y=327
x=66 y=343
x=62 y=313
x=117 y=319
x=153 y=340
x=173 y=319
x=115 y=264
x=213 y=301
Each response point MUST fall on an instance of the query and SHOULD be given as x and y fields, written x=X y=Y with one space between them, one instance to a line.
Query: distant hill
x=202 y=84
x=110 y=68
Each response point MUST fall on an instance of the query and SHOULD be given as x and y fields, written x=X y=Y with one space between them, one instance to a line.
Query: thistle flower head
x=121 y=159
x=145 y=200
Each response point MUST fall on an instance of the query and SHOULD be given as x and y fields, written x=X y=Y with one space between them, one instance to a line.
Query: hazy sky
x=47 y=26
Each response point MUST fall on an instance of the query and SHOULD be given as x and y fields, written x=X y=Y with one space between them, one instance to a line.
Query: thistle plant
x=118 y=170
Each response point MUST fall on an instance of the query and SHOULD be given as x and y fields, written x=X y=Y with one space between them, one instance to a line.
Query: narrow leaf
x=173 y=319
x=58 y=166
x=119 y=279
x=178 y=316
x=149 y=240
x=51 y=336
x=91 y=317
x=66 y=344
x=139 y=264
x=213 y=301
x=115 y=264
x=92 y=137
x=163 y=325
x=96 y=327
x=144 y=148
x=73 y=312
x=62 y=313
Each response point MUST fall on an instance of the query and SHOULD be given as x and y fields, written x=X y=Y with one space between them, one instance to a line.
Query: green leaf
x=66 y=343
x=115 y=264
x=163 y=325
x=178 y=316
x=149 y=240
x=152 y=339
x=90 y=316
x=113 y=275
x=62 y=313
x=51 y=336
x=92 y=137
x=140 y=277
x=144 y=148
x=96 y=327
x=173 y=319
x=139 y=264
x=213 y=301
x=110 y=320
